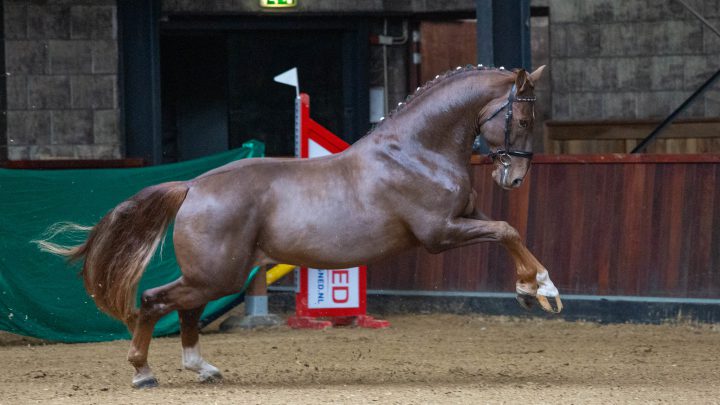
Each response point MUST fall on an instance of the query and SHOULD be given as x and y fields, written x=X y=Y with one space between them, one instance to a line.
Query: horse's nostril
x=517 y=182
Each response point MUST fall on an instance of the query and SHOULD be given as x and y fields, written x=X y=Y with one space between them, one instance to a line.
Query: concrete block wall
x=615 y=59
x=61 y=62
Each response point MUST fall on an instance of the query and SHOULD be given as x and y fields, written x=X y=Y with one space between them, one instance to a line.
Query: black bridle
x=503 y=154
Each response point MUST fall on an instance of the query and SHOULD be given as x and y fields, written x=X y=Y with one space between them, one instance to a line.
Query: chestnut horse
x=403 y=185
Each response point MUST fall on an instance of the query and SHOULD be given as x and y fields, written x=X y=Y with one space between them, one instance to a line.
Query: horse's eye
x=524 y=123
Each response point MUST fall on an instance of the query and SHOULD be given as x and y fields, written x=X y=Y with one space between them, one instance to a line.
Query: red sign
x=331 y=292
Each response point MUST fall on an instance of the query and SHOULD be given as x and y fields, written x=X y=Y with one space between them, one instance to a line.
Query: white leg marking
x=142 y=374
x=546 y=286
x=192 y=360
x=524 y=291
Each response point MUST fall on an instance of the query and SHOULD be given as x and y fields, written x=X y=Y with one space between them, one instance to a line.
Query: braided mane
x=449 y=74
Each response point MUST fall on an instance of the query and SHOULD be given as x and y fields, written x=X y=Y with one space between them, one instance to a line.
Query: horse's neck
x=444 y=120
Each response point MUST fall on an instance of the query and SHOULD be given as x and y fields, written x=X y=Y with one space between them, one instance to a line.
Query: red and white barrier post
x=338 y=295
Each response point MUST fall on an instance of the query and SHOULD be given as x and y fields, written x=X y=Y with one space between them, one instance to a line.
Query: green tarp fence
x=43 y=297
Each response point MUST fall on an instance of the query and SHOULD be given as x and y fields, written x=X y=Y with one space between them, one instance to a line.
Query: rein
x=504 y=154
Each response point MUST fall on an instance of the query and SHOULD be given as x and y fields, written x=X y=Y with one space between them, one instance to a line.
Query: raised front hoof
x=210 y=378
x=151 y=382
x=525 y=300
x=550 y=304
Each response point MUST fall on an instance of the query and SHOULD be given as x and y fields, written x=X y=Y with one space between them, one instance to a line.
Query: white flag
x=290 y=78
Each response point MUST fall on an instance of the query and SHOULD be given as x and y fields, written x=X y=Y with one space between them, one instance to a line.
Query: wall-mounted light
x=278 y=3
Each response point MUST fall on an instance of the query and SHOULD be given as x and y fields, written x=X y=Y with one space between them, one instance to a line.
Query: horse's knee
x=507 y=233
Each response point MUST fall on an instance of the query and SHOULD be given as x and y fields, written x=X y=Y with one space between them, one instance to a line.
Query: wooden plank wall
x=646 y=225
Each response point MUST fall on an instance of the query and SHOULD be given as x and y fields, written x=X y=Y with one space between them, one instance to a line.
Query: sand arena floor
x=421 y=359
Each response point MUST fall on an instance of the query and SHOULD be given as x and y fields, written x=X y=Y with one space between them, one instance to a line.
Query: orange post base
x=367 y=321
x=306 y=322
x=362 y=321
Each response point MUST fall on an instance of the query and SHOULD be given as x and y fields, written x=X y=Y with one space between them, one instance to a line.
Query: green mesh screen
x=40 y=295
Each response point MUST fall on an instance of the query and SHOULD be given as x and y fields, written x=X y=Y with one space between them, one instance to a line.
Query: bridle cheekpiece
x=503 y=154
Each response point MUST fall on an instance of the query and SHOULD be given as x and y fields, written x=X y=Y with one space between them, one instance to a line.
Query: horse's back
x=313 y=212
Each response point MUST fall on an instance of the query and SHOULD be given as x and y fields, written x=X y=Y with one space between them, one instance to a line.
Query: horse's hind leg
x=155 y=303
x=144 y=323
x=191 y=358
x=137 y=355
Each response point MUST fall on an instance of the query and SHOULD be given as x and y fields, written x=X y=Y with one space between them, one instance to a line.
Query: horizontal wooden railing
x=692 y=135
x=615 y=224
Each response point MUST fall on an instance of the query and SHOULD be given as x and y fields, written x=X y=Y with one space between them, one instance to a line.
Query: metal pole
x=675 y=113
x=484 y=14
x=700 y=17
x=690 y=99
x=503 y=33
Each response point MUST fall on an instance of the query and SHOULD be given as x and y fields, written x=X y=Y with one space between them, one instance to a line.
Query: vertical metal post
x=3 y=87
x=503 y=33
x=298 y=126
x=139 y=45
x=484 y=13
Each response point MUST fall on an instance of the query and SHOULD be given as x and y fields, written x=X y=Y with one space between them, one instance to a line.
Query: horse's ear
x=535 y=76
x=521 y=81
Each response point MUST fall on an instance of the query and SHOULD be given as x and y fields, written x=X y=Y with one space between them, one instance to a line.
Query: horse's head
x=506 y=124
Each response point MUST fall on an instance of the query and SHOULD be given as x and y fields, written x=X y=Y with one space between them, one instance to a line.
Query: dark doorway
x=194 y=74
x=218 y=89
x=263 y=109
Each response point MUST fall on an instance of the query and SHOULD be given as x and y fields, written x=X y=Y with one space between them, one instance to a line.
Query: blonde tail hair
x=119 y=247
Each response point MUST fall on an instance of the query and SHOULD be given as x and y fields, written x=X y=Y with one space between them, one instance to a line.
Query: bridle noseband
x=504 y=154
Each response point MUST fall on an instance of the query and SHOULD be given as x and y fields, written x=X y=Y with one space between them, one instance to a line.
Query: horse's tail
x=119 y=248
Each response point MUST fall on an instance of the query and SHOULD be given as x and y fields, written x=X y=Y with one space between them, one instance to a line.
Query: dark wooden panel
x=610 y=224
x=446 y=45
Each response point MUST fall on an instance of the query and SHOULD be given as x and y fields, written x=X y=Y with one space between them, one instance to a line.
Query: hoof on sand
x=146 y=383
x=210 y=378
x=550 y=304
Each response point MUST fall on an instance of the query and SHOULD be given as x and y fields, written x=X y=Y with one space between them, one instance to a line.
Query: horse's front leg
x=533 y=278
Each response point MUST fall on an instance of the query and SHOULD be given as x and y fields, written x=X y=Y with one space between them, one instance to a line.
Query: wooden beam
x=635 y=129
x=612 y=158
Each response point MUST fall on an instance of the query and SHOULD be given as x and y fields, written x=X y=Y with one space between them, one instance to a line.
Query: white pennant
x=290 y=78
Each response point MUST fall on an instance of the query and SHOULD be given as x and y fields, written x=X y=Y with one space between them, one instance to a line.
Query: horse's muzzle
x=507 y=177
